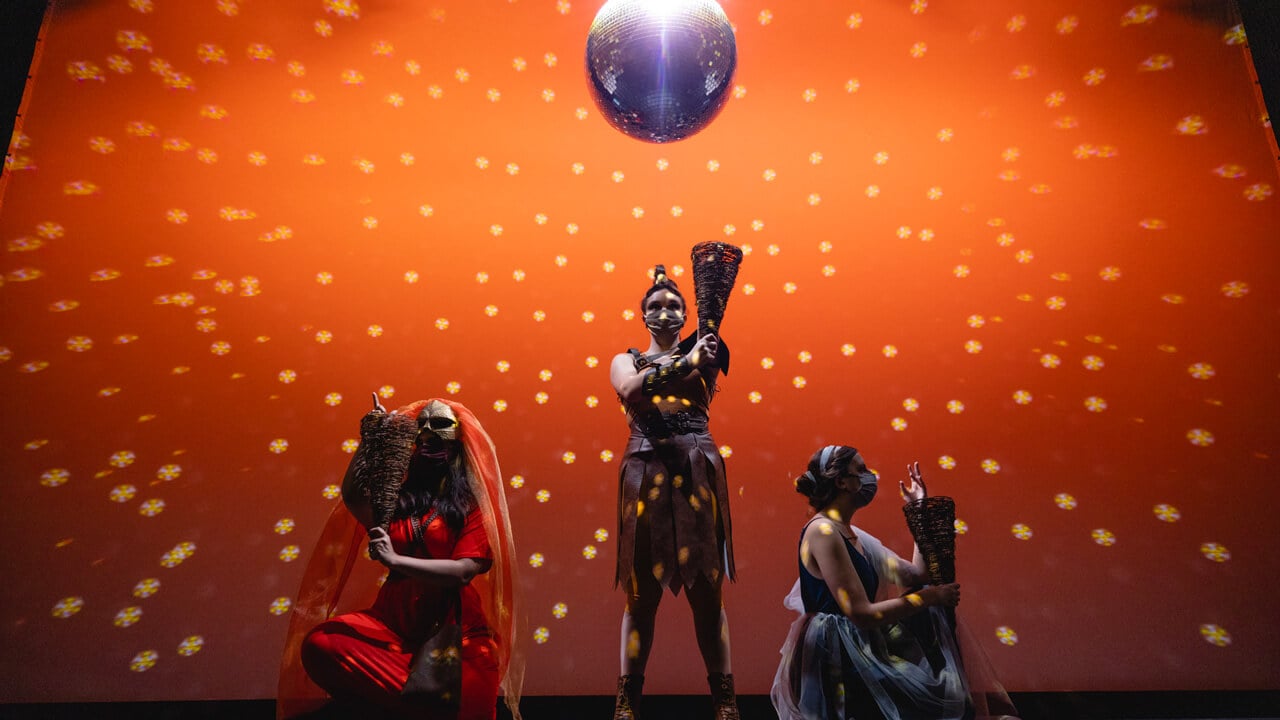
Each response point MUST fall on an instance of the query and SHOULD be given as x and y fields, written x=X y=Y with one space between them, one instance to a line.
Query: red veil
x=325 y=589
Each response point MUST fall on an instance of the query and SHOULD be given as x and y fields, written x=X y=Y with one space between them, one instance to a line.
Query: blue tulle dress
x=831 y=669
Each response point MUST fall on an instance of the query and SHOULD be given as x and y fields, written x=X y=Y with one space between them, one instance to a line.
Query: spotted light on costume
x=660 y=70
x=317 y=296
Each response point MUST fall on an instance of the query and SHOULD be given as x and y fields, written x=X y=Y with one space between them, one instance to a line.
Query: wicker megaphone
x=382 y=461
x=715 y=268
x=932 y=521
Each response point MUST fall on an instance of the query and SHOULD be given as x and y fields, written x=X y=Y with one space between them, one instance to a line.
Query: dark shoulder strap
x=640 y=361
x=805 y=529
x=847 y=542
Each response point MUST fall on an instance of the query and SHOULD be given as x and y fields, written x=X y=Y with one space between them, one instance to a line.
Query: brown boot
x=627 y=706
x=723 y=700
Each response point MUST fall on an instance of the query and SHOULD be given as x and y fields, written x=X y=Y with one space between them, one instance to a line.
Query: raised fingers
x=913 y=470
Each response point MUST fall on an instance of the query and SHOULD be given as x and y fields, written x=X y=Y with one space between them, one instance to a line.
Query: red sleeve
x=472 y=542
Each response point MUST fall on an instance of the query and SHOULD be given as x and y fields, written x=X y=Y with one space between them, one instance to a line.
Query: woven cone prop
x=382 y=461
x=932 y=521
x=715 y=269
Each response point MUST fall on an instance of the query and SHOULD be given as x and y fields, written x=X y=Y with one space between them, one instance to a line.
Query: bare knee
x=643 y=598
x=705 y=598
x=643 y=607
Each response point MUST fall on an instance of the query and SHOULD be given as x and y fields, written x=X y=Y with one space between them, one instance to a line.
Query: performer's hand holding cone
x=932 y=522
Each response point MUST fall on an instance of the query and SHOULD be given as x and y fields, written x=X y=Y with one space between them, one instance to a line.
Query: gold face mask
x=438 y=419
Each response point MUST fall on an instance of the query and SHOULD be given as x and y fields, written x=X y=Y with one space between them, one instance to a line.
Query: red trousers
x=356 y=657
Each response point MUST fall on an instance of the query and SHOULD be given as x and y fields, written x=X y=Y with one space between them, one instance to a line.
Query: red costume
x=365 y=655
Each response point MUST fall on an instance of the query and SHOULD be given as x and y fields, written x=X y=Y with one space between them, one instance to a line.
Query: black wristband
x=657 y=378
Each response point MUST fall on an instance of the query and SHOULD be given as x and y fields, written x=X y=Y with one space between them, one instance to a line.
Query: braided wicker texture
x=382 y=461
x=715 y=269
x=932 y=521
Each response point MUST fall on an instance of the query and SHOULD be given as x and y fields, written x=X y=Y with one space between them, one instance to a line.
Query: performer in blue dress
x=856 y=651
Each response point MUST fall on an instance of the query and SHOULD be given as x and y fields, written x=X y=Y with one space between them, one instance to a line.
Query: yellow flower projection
x=1030 y=247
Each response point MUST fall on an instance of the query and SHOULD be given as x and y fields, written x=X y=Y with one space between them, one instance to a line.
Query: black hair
x=819 y=483
x=662 y=281
x=453 y=498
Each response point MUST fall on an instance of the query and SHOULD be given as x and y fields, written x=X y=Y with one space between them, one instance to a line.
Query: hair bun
x=806 y=484
x=660 y=277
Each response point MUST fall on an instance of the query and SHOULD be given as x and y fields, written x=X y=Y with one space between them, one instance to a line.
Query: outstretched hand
x=915 y=490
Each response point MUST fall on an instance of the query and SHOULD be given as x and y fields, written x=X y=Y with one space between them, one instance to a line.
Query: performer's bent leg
x=479 y=679
x=355 y=659
x=358 y=660
x=710 y=624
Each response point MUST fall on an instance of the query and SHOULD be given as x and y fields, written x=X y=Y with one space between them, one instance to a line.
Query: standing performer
x=425 y=484
x=673 y=502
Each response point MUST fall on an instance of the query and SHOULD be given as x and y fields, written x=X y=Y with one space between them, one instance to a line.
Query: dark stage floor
x=1254 y=705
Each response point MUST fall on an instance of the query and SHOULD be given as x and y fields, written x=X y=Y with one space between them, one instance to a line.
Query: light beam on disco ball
x=660 y=70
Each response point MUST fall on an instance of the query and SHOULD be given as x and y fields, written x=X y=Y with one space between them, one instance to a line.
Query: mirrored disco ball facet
x=660 y=70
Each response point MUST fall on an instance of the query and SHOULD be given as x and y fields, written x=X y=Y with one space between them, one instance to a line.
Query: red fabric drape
x=325 y=584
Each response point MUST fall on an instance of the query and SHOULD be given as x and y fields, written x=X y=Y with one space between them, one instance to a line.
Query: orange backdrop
x=1031 y=244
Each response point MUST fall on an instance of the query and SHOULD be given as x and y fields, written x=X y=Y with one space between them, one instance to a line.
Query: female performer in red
x=445 y=541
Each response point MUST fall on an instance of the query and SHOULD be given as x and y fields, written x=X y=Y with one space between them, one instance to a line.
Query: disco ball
x=660 y=70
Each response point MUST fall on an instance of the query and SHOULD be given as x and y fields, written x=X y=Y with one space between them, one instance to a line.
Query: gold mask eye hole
x=441 y=423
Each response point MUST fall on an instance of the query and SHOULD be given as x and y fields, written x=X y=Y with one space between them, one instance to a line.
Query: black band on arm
x=657 y=378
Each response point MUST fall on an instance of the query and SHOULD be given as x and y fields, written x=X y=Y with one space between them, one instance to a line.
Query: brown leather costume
x=673 y=501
